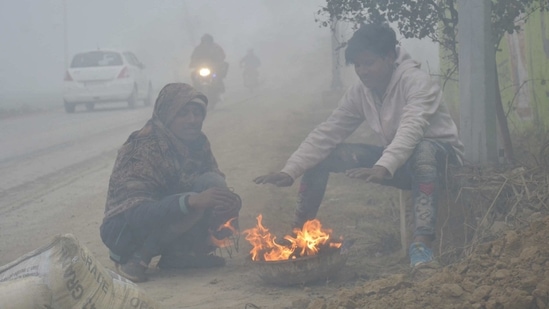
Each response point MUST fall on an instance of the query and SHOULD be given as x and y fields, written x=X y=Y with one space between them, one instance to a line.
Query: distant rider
x=250 y=60
x=211 y=54
x=250 y=63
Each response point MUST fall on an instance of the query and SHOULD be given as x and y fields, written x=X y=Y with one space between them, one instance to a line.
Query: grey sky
x=162 y=33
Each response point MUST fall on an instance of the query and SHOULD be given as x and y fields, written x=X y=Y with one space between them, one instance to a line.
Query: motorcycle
x=209 y=81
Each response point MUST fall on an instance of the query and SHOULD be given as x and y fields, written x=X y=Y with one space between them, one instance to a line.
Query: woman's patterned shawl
x=153 y=163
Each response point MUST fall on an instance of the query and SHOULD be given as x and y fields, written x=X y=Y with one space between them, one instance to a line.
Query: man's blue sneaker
x=419 y=254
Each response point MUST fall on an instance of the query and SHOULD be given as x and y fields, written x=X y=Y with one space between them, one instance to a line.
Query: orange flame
x=227 y=241
x=307 y=241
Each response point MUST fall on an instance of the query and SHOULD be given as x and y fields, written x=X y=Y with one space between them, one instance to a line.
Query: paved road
x=38 y=149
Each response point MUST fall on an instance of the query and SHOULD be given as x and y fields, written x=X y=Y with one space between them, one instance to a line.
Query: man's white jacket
x=412 y=109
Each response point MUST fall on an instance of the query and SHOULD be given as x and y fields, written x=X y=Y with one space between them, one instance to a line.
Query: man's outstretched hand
x=279 y=179
x=375 y=174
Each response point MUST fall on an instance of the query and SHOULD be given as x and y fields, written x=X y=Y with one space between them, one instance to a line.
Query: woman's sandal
x=132 y=270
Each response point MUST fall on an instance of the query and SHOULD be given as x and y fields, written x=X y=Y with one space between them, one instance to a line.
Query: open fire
x=225 y=235
x=308 y=241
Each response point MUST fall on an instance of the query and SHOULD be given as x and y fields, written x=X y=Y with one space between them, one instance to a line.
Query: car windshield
x=96 y=59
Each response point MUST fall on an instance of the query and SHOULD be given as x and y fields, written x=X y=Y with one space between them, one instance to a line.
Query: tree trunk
x=502 y=122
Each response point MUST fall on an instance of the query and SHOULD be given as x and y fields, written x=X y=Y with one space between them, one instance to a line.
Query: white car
x=104 y=76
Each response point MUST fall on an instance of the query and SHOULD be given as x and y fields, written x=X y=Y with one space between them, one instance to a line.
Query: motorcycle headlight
x=204 y=72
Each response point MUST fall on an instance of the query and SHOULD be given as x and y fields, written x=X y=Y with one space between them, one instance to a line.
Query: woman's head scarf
x=172 y=98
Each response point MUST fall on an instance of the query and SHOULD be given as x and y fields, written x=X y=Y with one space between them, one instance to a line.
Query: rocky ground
x=510 y=272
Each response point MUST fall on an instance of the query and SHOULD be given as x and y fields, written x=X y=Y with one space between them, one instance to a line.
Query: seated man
x=166 y=194
x=404 y=107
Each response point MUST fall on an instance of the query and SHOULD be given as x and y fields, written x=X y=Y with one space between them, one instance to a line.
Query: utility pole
x=65 y=36
x=477 y=82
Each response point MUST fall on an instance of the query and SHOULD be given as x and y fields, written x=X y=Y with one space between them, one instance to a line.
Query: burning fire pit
x=301 y=270
x=309 y=255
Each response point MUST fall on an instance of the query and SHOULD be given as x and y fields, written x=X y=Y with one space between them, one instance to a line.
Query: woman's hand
x=279 y=179
x=220 y=198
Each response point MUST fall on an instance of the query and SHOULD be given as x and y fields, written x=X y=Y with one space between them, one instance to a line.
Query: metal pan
x=304 y=269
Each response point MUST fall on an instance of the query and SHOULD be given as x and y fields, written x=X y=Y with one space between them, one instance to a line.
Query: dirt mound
x=509 y=272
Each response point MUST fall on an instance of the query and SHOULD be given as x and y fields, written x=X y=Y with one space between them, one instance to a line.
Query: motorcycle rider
x=250 y=62
x=211 y=54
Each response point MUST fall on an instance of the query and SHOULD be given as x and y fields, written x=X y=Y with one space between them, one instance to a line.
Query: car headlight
x=204 y=72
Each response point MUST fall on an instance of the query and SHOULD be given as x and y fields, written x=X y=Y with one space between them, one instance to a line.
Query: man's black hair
x=377 y=38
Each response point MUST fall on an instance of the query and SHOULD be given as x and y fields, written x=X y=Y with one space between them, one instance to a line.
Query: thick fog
x=162 y=33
